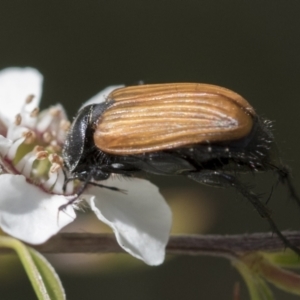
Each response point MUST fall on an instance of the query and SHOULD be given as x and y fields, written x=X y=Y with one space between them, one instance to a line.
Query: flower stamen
x=54 y=112
x=47 y=137
x=29 y=99
x=30 y=137
x=36 y=142
x=41 y=155
x=35 y=112
x=54 y=168
x=18 y=119
x=65 y=125
x=56 y=159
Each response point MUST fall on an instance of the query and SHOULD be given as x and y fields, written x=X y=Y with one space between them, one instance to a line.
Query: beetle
x=207 y=133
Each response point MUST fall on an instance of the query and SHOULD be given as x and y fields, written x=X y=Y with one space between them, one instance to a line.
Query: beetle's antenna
x=112 y=188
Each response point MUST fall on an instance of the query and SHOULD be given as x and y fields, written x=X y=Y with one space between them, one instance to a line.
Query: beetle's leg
x=67 y=180
x=221 y=179
x=285 y=178
x=79 y=192
x=83 y=187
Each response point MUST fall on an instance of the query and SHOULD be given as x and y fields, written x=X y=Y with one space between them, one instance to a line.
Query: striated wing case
x=149 y=118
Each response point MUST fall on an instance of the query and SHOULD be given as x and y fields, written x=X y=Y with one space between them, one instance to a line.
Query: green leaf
x=283 y=279
x=260 y=265
x=44 y=280
x=50 y=277
x=286 y=259
x=258 y=289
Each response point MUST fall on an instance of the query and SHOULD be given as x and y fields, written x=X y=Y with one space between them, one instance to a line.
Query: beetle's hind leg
x=220 y=179
x=284 y=176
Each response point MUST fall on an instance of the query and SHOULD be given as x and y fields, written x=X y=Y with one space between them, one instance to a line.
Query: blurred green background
x=251 y=47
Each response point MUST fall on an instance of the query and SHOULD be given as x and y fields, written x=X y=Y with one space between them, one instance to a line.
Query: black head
x=79 y=151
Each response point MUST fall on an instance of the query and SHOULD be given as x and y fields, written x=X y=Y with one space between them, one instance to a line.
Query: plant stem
x=229 y=246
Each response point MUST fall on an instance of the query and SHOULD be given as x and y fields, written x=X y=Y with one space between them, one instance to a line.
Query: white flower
x=31 y=178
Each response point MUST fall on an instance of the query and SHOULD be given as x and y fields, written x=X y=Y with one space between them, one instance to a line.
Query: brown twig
x=229 y=246
x=217 y=245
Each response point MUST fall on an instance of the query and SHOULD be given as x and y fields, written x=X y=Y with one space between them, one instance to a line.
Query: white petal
x=16 y=84
x=141 y=219
x=28 y=213
x=102 y=96
x=5 y=144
